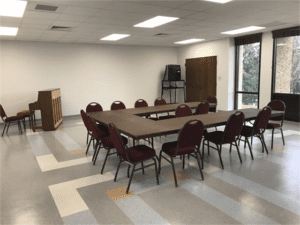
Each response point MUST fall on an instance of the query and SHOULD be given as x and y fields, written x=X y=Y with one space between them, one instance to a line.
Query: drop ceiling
x=89 y=21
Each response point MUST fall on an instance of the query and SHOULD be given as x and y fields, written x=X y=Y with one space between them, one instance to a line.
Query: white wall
x=83 y=72
x=219 y=48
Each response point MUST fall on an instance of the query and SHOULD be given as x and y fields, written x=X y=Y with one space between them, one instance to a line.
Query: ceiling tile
x=65 y=23
x=73 y=10
x=169 y=4
x=73 y=18
x=39 y=14
x=112 y=21
x=37 y=21
x=198 y=5
x=178 y=13
x=122 y=15
x=91 y=4
x=34 y=26
x=201 y=16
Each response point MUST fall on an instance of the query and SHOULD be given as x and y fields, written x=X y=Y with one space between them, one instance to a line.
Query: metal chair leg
x=159 y=162
x=219 y=151
x=263 y=139
x=7 y=127
x=183 y=161
x=230 y=147
x=128 y=170
x=200 y=167
x=107 y=154
x=130 y=178
x=208 y=147
x=117 y=170
x=88 y=146
x=143 y=167
x=272 y=138
x=4 y=129
x=282 y=136
x=250 y=147
x=156 y=171
x=87 y=138
x=174 y=173
x=238 y=150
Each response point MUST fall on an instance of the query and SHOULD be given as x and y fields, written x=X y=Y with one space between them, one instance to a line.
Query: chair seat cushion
x=214 y=137
x=140 y=153
x=170 y=149
x=107 y=143
x=272 y=125
x=14 y=118
x=246 y=131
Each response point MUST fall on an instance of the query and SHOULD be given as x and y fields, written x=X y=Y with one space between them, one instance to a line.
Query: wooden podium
x=49 y=102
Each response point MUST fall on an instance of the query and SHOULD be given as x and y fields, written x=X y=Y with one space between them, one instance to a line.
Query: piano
x=49 y=102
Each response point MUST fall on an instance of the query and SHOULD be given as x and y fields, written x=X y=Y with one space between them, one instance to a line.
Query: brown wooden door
x=201 y=78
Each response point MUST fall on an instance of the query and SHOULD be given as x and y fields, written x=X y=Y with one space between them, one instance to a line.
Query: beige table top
x=137 y=127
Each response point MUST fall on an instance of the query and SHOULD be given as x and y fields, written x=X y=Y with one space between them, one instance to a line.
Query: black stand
x=170 y=87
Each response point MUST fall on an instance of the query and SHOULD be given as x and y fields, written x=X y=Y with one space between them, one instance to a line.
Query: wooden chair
x=258 y=129
x=229 y=136
x=183 y=110
x=11 y=120
x=132 y=156
x=188 y=143
x=280 y=106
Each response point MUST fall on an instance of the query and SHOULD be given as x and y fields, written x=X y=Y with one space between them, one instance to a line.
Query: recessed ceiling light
x=114 y=37
x=219 y=1
x=243 y=30
x=193 y=40
x=12 y=8
x=156 y=21
x=9 y=31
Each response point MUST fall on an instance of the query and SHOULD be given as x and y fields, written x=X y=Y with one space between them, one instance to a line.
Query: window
x=247 y=72
x=286 y=64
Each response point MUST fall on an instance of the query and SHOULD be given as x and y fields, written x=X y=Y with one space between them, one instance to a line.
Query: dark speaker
x=172 y=73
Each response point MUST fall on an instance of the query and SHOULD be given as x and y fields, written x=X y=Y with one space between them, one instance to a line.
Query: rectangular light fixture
x=243 y=30
x=114 y=37
x=8 y=31
x=193 y=40
x=219 y=1
x=12 y=8
x=156 y=21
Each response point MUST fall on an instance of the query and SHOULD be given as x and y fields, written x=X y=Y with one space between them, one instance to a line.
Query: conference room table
x=131 y=123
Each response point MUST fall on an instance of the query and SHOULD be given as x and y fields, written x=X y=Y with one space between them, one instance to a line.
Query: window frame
x=244 y=40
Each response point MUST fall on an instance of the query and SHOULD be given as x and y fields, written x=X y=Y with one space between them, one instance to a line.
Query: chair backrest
x=190 y=135
x=277 y=105
x=233 y=127
x=116 y=105
x=90 y=125
x=262 y=120
x=212 y=99
x=117 y=141
x=140 y=103
x=202 y=108
x=159 y=101
x=183 y=110
x=94 y=107
x=2 y=113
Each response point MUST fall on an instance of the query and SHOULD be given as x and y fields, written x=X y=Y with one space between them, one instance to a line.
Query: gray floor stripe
x=38 y=145
x=84 y=217
x=66 y=141
x=225 y=204
x=139 y=212
x=267 y=194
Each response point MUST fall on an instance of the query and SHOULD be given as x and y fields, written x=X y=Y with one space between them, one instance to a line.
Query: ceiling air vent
x=161 y=35
x=58 y=28
x=46 y=7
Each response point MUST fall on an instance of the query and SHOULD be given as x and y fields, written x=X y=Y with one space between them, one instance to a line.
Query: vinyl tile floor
x=46 y=178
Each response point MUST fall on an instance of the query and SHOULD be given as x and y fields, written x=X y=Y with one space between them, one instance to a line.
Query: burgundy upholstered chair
x=11 y=120
x=140 y=103
x=95 y=107
x=279 y=106
x=188 y=143
x=161 y=101
x=258 y=129
x=229 y=136
x=212 y=99
x=102 y=140
x=183 y=110
x=202 y=108
x=133 y=155
x=116 y=105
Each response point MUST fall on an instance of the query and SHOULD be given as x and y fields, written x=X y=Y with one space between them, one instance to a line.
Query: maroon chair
x=95 y=107
x=229 y=136
x=102 y=140
x=258 y=129
x=188 y=143
x=11 y=120
x=132 y=156
x=183 y=110
x=116 y=105
x=161 y=101
x=140 y=103
x=202 y=108
x=212 y=99
x=280 y=106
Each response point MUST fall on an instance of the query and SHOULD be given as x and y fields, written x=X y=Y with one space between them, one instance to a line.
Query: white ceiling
x=92 y=20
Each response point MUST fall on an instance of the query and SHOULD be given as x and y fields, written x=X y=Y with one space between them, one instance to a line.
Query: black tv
x=172 y=73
